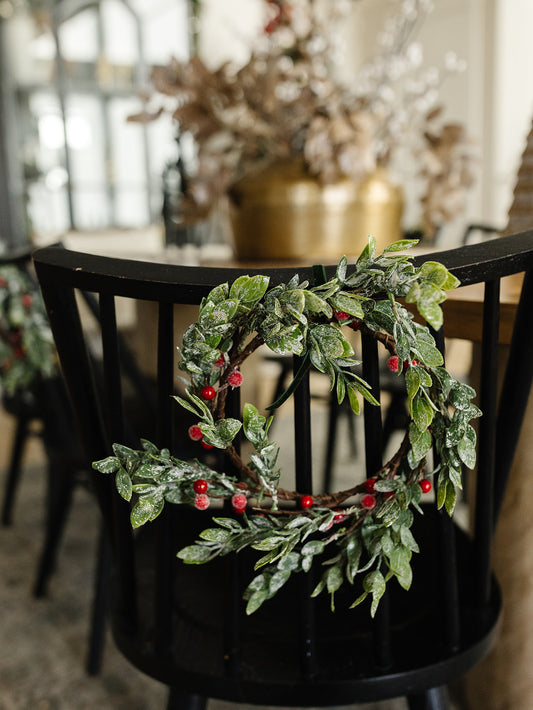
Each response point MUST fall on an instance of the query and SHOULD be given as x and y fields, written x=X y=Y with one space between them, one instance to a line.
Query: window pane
x=120 y=34
x=131 y=207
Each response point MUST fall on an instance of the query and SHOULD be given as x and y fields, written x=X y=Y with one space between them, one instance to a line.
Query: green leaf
x=341 y=269
x=421 y=441
x=422 y=412
x=466 y=448
x=429 y=354
x=107 y=465
x=368 y=253
x=249 y=289
x=146 y=509
x=432 y=313
x=334 y=579
x=123 y=483
x=315 y=304
x=412 y=381
x=348 y=303
x=228 y=429
x=229 y=524
x=400 y=245
x=277 y=581
x=195 y=554
x=313 y=547
x=215 y=535
x=256 y=600
x=374 y=583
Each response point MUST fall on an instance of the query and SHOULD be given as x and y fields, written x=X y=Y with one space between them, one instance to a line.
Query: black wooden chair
x=185 y=625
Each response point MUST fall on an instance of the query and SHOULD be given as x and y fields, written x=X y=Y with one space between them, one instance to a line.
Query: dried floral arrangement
x=27 y=347
x=360 y=536
x=286 y=102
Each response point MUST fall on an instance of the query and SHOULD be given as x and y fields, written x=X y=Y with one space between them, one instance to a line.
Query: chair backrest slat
x=487 y=441
x=165 y=375
x=302 y=433
x=111 y=361
x=515 y=390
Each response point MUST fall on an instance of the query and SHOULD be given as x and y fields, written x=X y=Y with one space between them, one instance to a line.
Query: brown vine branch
x=234 y=361
x=384 y=338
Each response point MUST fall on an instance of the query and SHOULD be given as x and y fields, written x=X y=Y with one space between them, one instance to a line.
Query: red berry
x=201 y=501
x=27 y=300
x=369 y=485
x=195 y=433
x=425 y=485
x=341 y=315
x=3 y=282
x=368 y=501
x=208 y=392
x=206 y=445
x=393 y=363
x=389 y=494
x=235 y=379
x=355 y=324
x=199 y=486
x=339 y=518
x=306 y=501
x=239 y=502
x=407 y=364
x=221 y=361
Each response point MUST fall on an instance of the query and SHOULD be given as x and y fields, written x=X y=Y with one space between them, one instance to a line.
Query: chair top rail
x=163 y=282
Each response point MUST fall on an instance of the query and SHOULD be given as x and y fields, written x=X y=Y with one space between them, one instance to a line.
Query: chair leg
x=180 y=700
x=13 y=474
x=432 y=699
x=60 y=488
x=99 y=606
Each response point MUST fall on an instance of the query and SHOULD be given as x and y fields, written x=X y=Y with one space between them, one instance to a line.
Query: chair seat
x=269 y=670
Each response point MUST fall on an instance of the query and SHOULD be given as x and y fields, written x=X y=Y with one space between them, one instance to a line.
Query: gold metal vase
x=284 y=214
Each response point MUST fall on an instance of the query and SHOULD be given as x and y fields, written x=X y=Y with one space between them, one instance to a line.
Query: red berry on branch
x=341 y=315
x=208 y=392
x=393 y=363
x=306 y=501
x=368 y=501
x=195 y=433
x=425 y=485
x=339 y=518
x=199 y=486
x=389 y=494
x=27 y=300
x=239 y=502
x=369 y=485
x=235 y=379
x=205 y=445
x=355 y=324
x=201 y=501
x=221 y=361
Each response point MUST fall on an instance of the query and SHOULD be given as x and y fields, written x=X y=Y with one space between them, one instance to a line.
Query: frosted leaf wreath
x=361 y=535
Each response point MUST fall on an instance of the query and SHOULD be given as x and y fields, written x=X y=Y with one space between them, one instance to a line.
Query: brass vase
x=282 y=213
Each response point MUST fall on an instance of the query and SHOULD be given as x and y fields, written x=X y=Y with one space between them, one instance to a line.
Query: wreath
x=27 y=348
x=362 y=534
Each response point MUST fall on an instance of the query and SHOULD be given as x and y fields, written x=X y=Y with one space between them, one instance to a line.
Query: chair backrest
x=100 y=413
